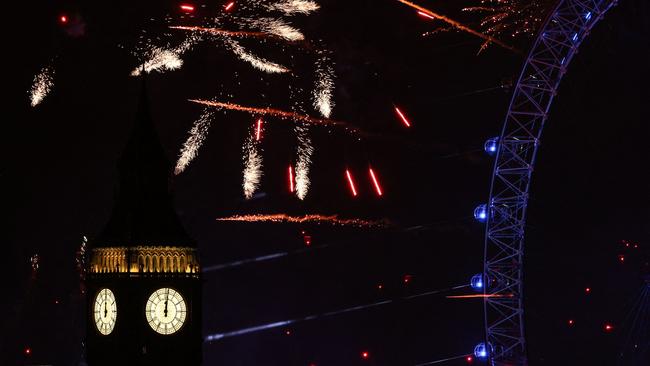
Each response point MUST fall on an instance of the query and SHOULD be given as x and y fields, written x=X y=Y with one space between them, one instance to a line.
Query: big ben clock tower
x=144 y=282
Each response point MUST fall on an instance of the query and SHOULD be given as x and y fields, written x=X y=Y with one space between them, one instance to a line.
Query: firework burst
x=41 y=86
x=511 y=18
x=252 y=166
x=324 y=88
x=190 y=148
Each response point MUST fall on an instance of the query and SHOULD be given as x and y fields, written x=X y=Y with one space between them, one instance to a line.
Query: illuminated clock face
x=166 y=311
x=105 y=311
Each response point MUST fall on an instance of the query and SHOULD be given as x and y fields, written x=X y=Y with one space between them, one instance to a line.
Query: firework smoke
x=323 y=90
x=290 y=7
x=191 y=147
x=257 y=62
x=252 y=166
x=41 y=86
x=313 y=218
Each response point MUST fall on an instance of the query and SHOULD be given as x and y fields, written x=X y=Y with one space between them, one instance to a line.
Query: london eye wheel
x=515 y=150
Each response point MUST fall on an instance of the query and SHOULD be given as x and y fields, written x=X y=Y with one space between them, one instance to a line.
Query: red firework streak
x=425 y=15
x=375 y=182
x=229 y=6
x=351 y=182
x=187 y=7
x=402 y=117
x=258 y=130
x=291 y=189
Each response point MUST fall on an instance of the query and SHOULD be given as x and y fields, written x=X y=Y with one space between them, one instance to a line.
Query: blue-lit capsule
x=588 y=16
x=481 y=351
x=477 y=282
x=481 y=213
x=575 y=37
x=492 y=145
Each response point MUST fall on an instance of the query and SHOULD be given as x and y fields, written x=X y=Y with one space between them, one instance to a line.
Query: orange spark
x=223 y=32
x=229 y=6
x=274 y=112
x=311 y=218
x=258 y=130
x=458 y=25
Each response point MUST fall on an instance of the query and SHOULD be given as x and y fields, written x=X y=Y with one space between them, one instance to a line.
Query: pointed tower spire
x=143 y=213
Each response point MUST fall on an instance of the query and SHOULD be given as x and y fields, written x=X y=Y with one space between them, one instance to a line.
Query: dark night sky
x=589 y=191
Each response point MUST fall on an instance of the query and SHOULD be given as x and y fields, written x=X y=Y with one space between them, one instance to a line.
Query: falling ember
x=186 y=7
x=63 y=19
x=191 y=147
x=257 y=62
x=313 y=218
x=351 y=182
x=458 y=25
x=291 y=179
x=290 y=7
x=402 y=117
x=375 y=182
x=229 y=6
x=258 y=130
x=252 y=168
x=41 y=86
x=271 y=112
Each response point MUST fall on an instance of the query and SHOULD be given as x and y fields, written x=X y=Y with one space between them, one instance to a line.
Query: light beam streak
x=351 y=182
x=480 y=296
x=458 y=25
x=191 y=147
x=375 y=182
x=41 y=86
x=442 y=360
x=311 y=218
x=263 y=327
x=229 y=6
x=278 y=27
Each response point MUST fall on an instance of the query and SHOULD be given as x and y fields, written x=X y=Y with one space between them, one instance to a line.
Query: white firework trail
x=255 y=61
x=190 y=148
x=277 y=27
x=304 y=152
x=166 y=59
x=252 y=167
x=290 y=7
x=41 y=86
x=324 y=88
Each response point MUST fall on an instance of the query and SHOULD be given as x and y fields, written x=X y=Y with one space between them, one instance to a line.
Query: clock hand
x=166 y=301
x=105 y=311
